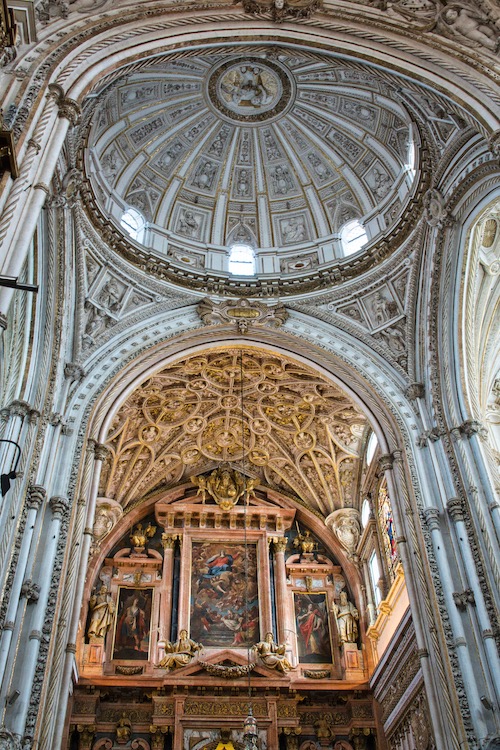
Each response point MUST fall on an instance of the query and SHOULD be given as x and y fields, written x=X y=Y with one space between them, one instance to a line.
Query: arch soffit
x=474 y=305
x=87 y=63
x=372 y=384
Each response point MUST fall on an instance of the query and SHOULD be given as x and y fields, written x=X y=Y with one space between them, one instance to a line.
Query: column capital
x=99 y=450
x=59 y=506
x=168 y=540
x=431 y=516
x=36 y=496
x=472 y=427
x=385 y=462
x=279 y=545
x=69 y=109
x=9 y=740
x=19 y=408
x=455 y=508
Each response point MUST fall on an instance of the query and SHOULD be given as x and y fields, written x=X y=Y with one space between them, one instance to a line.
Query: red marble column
x=168 y=542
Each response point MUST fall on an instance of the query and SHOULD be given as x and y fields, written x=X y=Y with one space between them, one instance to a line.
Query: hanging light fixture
x=6 y=478
x=250 y=732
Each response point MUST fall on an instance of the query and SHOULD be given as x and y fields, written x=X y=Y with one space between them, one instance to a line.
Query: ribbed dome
x=275 y=151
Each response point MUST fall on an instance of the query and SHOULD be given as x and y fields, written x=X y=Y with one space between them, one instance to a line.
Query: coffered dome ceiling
x=285 y=424
x=271 y=149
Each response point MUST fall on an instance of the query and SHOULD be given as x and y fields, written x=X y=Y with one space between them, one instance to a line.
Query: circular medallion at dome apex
x=273 y=150
x=249 y=90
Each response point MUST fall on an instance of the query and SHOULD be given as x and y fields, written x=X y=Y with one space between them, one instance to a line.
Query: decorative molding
x=242 y=313
x=281 y=10
x=464 y=598
x=415 y=391
x=227 y=672
x=31 y=591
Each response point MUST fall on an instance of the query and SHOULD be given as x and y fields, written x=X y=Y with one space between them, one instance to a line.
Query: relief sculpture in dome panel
x=295 y=133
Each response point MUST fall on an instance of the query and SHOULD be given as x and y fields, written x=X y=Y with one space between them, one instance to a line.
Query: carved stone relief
x=297 y=428
x=277 y=159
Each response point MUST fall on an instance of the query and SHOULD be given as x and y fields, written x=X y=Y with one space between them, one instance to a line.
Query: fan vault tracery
x=301 y=434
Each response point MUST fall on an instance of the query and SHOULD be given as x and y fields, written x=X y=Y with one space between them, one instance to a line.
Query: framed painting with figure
x=313 y=630
x=224 y=594
x=133 y=624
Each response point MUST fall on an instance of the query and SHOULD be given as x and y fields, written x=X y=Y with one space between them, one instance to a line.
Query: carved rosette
x=345 y=524
x=435 y=209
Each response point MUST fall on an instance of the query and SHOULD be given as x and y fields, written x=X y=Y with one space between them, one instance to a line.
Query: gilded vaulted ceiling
x=278 y=420
x=275 y=149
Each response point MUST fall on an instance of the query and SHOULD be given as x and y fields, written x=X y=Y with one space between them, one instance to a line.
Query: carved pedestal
x=93 y=655
x=352 y=661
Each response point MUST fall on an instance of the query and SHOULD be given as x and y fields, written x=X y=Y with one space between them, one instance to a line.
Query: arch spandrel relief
x=298 y=432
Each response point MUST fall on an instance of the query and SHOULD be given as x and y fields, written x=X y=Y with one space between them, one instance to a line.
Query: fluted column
x=432 y=518
x=456 y=512
x=168 y=542
x=282 y=608
x=24 y=681
x=36 y=497
x=96 y=453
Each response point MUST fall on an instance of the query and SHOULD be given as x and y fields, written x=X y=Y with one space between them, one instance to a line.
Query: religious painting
x=224 y=594
x=313 y=632
x=133 y=624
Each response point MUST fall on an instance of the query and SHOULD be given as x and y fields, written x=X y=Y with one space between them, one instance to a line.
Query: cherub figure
x=471 y=26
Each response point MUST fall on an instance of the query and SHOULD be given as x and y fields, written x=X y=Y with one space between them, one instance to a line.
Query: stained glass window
x=387 y=530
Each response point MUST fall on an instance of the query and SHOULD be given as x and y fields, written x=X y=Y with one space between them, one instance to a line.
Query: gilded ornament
x=139 y=537
x=226 y=486
x=272 y=654
x=180 y=653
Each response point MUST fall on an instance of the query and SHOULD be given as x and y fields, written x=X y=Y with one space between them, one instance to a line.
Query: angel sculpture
x=226 y=486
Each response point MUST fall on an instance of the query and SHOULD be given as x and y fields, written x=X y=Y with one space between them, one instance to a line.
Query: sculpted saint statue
x=306 y=544
x=102 y=608
x=180 y=653
x=347 y=616
x=272 y=654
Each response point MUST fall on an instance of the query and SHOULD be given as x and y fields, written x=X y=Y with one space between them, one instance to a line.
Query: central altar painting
x=224 y=594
